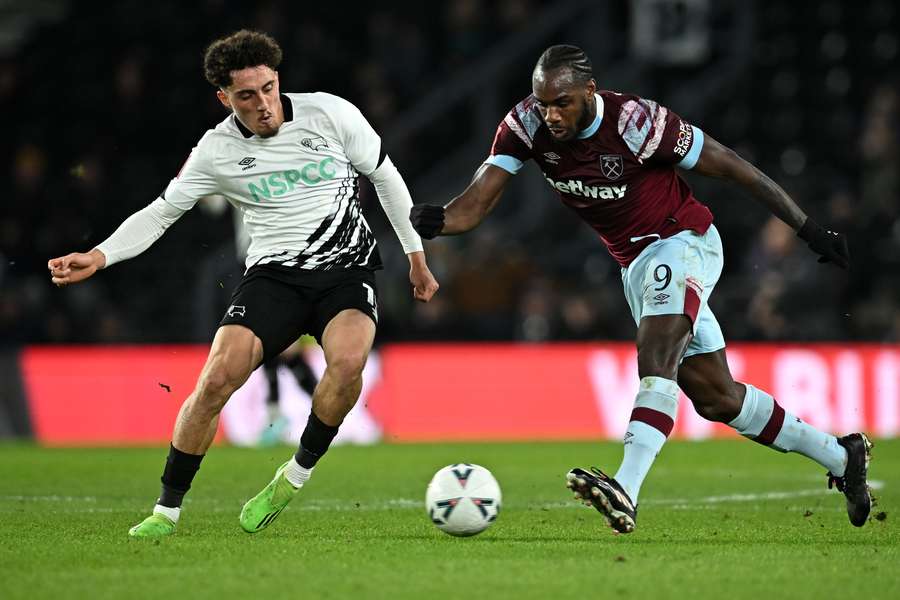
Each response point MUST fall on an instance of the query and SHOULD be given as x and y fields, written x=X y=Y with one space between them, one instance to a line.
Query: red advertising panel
x=108 y=395
x=456 y=392
x=419 y=392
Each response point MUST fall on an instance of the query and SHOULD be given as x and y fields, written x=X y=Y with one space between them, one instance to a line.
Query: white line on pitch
x=319 y=504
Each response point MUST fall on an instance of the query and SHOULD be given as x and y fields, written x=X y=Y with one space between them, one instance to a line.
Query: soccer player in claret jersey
x=614 y=159
x=290 y=163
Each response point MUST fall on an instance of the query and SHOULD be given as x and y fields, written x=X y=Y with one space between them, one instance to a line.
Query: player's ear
x=591 y=87
x=223 y=98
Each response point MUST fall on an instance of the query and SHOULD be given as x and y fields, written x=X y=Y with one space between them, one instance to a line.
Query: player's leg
x=667 y=287
x=756 y=415
x=661 y=341
x=256 y=326
x=345 y=321
x=270 y=368
x=295 y=360
x=277 y=422
x=346 y=341
x=234 y=354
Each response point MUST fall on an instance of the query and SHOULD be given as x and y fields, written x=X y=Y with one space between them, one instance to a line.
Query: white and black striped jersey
x=298 y=190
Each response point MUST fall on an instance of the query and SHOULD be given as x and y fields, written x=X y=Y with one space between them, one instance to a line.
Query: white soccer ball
x=463 y=499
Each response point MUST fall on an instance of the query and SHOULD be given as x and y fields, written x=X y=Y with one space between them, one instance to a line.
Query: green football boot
x=154 y=526
x=263 y=508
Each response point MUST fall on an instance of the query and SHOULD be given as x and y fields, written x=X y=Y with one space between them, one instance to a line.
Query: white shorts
x=676 y=276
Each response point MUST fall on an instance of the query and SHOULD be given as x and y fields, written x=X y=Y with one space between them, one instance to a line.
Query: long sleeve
x=396 y=201
x=139 y=231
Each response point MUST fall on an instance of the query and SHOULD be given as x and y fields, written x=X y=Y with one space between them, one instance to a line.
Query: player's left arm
x=717 y=160
x=364 y=149
x=396 y=201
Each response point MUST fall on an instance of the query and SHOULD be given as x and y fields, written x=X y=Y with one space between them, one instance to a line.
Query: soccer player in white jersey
x=290 y=163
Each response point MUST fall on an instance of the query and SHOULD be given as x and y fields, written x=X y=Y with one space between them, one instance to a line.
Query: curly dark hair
x=238 y=51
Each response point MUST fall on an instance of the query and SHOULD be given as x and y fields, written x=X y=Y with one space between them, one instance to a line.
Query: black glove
x=832 y=246
x=427 y=219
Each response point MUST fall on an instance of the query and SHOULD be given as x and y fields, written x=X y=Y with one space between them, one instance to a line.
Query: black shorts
x=279 y=304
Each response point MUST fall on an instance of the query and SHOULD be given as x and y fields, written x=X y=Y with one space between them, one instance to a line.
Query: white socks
x=651 y=422
x=167 y=511
x=764 y=421
x=761 y=419
x=296 y=474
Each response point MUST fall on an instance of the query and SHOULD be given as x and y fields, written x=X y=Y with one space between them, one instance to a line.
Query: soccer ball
x=463 y=499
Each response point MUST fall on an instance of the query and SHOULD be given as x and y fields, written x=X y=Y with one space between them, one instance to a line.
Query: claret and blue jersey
x=618 y=174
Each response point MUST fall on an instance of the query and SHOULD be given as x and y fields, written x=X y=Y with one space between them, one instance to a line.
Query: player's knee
x=217 y=384
x=710 y=408
x=347 y=366
x=658 y=360
x=717 y=403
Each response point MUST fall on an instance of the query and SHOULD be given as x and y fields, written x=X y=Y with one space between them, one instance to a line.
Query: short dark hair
x=569 y=57
x=238 y=51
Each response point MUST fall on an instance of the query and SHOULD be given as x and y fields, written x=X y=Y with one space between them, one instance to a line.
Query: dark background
x=102 y=104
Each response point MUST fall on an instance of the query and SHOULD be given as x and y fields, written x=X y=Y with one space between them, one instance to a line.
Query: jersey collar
x=286 y=106
x=595 y=124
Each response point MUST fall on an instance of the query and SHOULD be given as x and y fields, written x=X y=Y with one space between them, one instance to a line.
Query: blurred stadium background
x=103 y=102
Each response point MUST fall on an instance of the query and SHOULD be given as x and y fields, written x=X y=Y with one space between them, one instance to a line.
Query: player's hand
x=427 y=219
x=75 y=267
x=423 y=282
x=831 y=245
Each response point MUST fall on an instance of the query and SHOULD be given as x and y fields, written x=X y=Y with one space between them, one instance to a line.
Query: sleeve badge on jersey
x=611 y=166
x=315 y=143
x=642 y=124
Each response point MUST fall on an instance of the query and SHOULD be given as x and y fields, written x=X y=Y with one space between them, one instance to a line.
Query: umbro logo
x=248 y=162
x=552 y=157
x=661 y=298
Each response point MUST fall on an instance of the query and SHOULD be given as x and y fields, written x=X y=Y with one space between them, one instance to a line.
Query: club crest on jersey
x=552 y=157
x=314 y=143
x=611 y=166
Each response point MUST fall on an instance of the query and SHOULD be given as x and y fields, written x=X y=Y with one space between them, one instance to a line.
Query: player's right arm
x=133 y=236
x=467 y=210
x=511 y=148
x=140 y=230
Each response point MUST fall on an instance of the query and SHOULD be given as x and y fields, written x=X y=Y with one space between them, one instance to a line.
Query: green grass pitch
x=717 y=519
